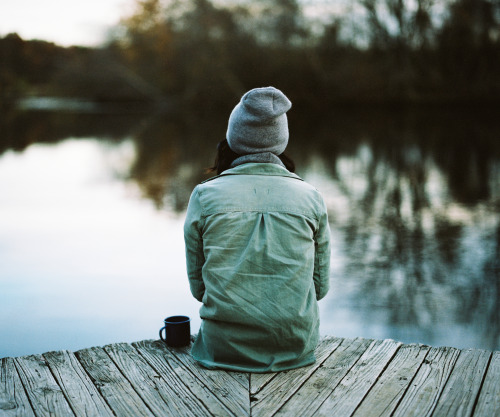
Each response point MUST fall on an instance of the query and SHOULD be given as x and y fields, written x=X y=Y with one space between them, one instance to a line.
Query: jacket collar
x=255 y=168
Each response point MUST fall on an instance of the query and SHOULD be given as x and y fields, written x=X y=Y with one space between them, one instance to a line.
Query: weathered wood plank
x=77 y=387
x=421 y=397
x=285 y=384
x=488 y=403
x=353 y=387
x=46 y=397
x=320 y=385
x=351 y=377
x=464 y=384
x=325 y=346
x=13 y=399
x=165 y=397
x=243 y=378
x=235 y=397
x=116 y=390
x=385 y=395
x=166 y=363
x=259 y=381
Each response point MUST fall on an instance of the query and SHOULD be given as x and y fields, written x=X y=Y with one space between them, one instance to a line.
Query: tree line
x=206 y=53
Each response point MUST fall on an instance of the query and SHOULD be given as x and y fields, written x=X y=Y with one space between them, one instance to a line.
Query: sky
x=82 y=22
x=65 y=22
x=85 y=22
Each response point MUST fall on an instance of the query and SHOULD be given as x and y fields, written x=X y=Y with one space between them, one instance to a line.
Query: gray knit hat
x=258 y=123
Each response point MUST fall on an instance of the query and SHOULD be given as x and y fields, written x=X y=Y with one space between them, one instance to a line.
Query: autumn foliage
x=207 y=53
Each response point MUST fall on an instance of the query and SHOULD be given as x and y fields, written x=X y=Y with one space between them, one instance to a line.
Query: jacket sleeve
x=194 y=246
x=321 y=274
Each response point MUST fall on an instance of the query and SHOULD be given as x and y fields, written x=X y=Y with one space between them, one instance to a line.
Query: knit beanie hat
x=258 y=123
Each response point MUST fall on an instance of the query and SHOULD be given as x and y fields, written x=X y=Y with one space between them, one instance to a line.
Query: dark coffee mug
x=177 y=331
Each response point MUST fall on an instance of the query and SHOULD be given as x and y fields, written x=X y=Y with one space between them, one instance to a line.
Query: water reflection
x=417 y=258
x=84 y=260
x=413 y=199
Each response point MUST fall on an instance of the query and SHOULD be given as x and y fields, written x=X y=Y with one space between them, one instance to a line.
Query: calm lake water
x=92 y=208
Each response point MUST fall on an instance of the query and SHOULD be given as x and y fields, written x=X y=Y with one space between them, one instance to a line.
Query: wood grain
x=320 y=385
x=351 y=378
x=464 y=383
x=165 y=394
x=388 y=390
x=114 y=388
x=488 y=403
x=165 y=362
x=13 y=399
x=235 y=397
x=243 y=378
x=424 y=391
x=270 y=398
x=45 y=395
x=82 y=395
x=353 y=387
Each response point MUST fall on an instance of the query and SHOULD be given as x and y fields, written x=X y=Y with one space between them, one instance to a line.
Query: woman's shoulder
x=253 y=174
x=251 y=169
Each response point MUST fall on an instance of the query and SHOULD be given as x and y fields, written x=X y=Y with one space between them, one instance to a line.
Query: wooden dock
x=352 y=377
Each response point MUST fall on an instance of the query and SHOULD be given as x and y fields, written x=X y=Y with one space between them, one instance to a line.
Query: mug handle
x=161 y=335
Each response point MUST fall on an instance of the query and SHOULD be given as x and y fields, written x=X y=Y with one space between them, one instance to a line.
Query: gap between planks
x=351 y=377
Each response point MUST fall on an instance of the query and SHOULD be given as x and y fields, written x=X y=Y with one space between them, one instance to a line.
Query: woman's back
x=259 y=225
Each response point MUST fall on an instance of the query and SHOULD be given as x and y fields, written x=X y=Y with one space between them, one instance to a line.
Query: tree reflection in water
x=413 y=198
x=416 y=207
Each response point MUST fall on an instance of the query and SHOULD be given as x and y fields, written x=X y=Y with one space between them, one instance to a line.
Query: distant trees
x=208 y=52
x=26 y=64
x=469 y=48
x=401 y=51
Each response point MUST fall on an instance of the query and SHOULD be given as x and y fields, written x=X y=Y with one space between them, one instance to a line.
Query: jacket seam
x=265 y=174
x=258 y=210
